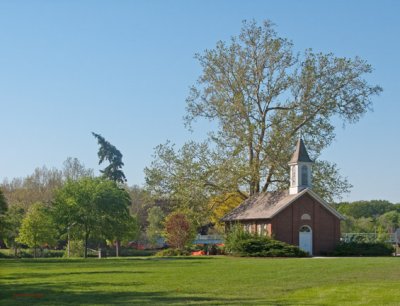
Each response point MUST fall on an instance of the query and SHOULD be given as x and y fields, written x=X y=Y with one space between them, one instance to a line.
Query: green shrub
x=234 y=238
x=25 y=253
x=265 y=247
x=28 y=253
x=173 y=252
x=241 y=243
x=363 y=249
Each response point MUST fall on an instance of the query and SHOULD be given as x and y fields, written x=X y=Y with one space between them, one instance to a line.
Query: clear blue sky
x=123 y=68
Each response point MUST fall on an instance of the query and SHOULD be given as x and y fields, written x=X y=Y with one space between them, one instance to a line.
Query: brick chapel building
x=297 y=216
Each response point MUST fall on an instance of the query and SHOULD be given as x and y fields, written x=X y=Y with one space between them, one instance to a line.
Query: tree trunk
x=34 y=252
x=69 y=245
x=117 y=245
x=86 y=245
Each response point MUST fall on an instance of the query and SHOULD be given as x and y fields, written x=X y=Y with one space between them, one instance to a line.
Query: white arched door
x=305 y=239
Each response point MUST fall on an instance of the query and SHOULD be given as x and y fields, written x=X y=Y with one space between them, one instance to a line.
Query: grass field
x=206 y=280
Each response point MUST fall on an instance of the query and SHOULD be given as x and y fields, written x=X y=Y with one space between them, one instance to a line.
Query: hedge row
x=363 y=249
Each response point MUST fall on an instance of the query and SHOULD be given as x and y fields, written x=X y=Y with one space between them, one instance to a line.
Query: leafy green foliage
x=37 y=228
x=361 y=225
x=13 y=219
x=181 y=179
x=94 y=208
x=110 y=153
x=390 y=221
x=363 y=249
x=260 y=94
x=264 y=247
x=156 y=224
x=76 y=249
x=241 y=243
x=366 y=209
x=375 y=216
x=141 y=202
x=234 y=237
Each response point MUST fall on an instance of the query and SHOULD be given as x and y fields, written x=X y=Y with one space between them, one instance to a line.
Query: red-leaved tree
x=178 y=230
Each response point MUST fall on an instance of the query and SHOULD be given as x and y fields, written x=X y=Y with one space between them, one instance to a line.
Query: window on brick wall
x=262 y=229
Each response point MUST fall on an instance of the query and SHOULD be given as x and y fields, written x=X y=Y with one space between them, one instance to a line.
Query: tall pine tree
x=110 y=153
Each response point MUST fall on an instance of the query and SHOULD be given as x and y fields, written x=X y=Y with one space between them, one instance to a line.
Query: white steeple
x=300 y=169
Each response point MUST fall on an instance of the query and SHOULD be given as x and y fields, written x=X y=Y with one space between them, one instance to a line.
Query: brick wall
x=325 y=226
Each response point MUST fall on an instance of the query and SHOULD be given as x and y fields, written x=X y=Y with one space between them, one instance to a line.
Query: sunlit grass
x=207 y=280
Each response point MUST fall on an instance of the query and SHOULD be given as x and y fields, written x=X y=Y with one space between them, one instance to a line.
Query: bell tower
x=300 y=169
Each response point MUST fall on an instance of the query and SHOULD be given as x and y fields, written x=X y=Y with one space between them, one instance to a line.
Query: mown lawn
x=206 y=280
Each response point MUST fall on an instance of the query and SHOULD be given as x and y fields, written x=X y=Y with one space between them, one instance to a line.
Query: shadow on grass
x=46 y=294
x=11 y=261
x=57 y=274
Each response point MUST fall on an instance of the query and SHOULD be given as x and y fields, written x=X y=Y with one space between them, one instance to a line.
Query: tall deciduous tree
x=117 y=223
x=93 y=207
x=260 y=95
x=37 y=228
x=110 y=153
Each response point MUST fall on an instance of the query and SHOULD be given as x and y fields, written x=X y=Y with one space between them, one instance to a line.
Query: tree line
x=51 y=206
x=56 y=208
x=375 y=216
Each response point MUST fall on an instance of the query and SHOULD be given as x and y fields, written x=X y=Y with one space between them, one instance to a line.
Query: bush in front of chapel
x=241 y=243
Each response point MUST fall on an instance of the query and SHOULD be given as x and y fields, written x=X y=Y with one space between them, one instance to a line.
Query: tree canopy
x=259 y=94
x=37 y=228
x=93 y=207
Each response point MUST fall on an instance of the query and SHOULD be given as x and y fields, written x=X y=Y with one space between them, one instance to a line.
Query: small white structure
x=300 y=169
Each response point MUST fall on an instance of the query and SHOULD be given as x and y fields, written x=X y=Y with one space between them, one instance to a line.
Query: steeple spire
x=300 y=169
x=300 y=154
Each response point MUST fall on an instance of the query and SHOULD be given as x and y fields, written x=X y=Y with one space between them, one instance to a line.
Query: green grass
x=206 y=280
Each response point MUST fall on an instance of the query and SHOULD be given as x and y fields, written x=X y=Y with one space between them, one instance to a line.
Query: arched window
x=305 y=217
x=304 y=175
x=305 y=229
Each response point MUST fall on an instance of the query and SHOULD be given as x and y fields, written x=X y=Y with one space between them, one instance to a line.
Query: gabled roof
x=267 y=205
x=300 y=154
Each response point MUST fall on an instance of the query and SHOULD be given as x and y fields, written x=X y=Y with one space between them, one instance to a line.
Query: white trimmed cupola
x=300 y=169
